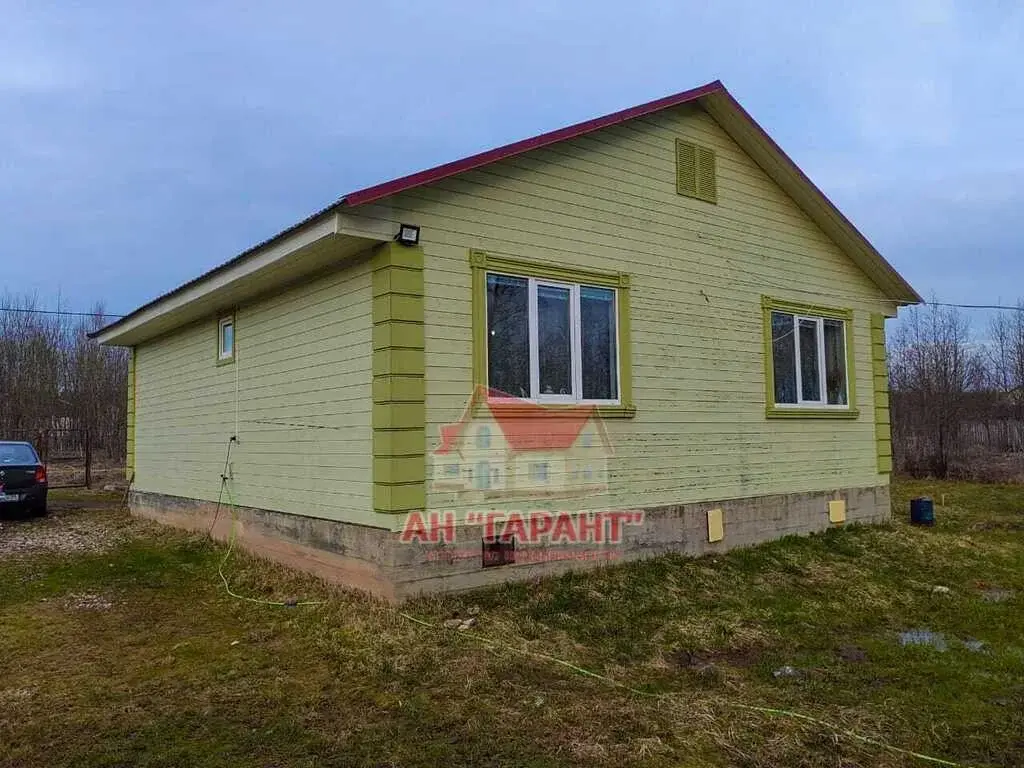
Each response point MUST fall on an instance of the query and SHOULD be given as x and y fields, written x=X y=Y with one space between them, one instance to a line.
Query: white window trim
x=819 y=321
x=221 y=324
x=576 y=344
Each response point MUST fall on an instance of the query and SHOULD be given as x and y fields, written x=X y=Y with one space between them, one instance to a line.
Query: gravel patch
x=87 y=602
x=63 y=531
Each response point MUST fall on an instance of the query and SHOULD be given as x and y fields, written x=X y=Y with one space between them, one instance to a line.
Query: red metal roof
x=378 y=191
x=430 y=175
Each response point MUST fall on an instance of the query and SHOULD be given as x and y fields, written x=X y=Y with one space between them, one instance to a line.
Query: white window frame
x=575 y=341
x=819 y=321
x=221 y=325
x=538 y=471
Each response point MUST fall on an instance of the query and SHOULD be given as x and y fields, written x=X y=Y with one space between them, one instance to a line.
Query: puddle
x=923 y=637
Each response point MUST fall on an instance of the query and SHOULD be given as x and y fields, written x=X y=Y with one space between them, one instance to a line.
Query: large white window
x=809 y=361
x=552 y=342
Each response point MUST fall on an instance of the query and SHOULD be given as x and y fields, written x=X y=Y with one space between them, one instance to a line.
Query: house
x=667 y=268
x=511 y=449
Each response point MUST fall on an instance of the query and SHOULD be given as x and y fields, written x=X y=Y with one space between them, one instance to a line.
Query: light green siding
x=608 y=202
x=298 y=396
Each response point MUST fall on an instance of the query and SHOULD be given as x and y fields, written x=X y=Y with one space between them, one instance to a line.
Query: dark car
x=23 y=483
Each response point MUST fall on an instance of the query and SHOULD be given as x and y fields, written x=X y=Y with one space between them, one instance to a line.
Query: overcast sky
x=143 y=143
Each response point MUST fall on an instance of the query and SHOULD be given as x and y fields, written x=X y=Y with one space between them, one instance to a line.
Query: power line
x=113 y=315
x=974 y=306
x=57 y=312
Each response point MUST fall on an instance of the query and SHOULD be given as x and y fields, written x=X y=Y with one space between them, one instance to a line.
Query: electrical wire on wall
x=223 y=483
x=234 y=351
x=231 y=546
x=225 y=489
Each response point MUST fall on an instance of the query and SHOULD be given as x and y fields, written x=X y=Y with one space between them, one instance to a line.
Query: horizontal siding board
x=608 y=202
x=303 y=380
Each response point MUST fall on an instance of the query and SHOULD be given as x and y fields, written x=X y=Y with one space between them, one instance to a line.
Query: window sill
x=529 y=410
x=225 y=360
x=774 y=412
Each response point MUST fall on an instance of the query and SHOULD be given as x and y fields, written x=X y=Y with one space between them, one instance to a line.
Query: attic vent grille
x=695 y=171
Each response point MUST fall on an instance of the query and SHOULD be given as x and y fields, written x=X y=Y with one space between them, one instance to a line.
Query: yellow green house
x=666 y=267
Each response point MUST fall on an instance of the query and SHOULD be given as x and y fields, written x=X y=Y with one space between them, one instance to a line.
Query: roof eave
x=313 y=244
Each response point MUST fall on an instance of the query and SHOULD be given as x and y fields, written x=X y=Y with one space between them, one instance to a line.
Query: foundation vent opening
x=498 y=550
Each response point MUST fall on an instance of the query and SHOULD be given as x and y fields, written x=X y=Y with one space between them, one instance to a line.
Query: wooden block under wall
x=837 y=511
x=716 y=525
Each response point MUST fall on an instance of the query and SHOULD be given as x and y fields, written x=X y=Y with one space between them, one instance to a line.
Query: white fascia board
x=335 y=223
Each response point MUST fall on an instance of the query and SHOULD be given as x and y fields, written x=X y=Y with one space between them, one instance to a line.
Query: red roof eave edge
x=370 y=194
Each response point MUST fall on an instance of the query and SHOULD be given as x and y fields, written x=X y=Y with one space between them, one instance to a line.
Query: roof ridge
x=388 y=188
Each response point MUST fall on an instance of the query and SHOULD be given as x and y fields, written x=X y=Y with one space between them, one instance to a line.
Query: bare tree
x=933 y=368
x=54 y=379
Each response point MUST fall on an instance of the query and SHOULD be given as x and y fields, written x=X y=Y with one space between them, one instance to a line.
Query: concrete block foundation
x=380 y=562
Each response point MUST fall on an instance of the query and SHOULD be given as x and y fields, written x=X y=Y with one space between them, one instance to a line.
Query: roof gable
x=712 y=98
x=716 y=100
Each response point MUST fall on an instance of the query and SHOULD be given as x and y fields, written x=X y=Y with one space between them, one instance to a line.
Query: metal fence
x=976 y=436
x=67 y=454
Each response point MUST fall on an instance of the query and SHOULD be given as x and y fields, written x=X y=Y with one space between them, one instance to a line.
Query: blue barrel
x=922 y=511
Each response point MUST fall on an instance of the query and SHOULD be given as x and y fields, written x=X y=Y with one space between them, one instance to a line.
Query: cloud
x=144 y=143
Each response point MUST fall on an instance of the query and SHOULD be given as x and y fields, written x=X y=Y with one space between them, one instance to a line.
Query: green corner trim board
x=129 y=467
x=772 y=411
x=880 y=376
x=482 y=263
x=399 y=403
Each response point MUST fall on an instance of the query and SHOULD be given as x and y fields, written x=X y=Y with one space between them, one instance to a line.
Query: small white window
x=226 y=338
x=809 y=361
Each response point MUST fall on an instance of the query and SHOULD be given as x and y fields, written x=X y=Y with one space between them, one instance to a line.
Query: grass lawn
x=130 y=652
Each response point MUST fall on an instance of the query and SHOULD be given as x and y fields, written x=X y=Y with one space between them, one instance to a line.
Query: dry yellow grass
x=133 y=654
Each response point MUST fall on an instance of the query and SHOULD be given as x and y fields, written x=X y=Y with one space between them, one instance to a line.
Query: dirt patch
x=989 y=525
x=70 y=473
x=852 y=653
x=740 y=658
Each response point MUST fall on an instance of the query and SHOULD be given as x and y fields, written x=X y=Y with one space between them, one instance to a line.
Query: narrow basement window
x=226 y=339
